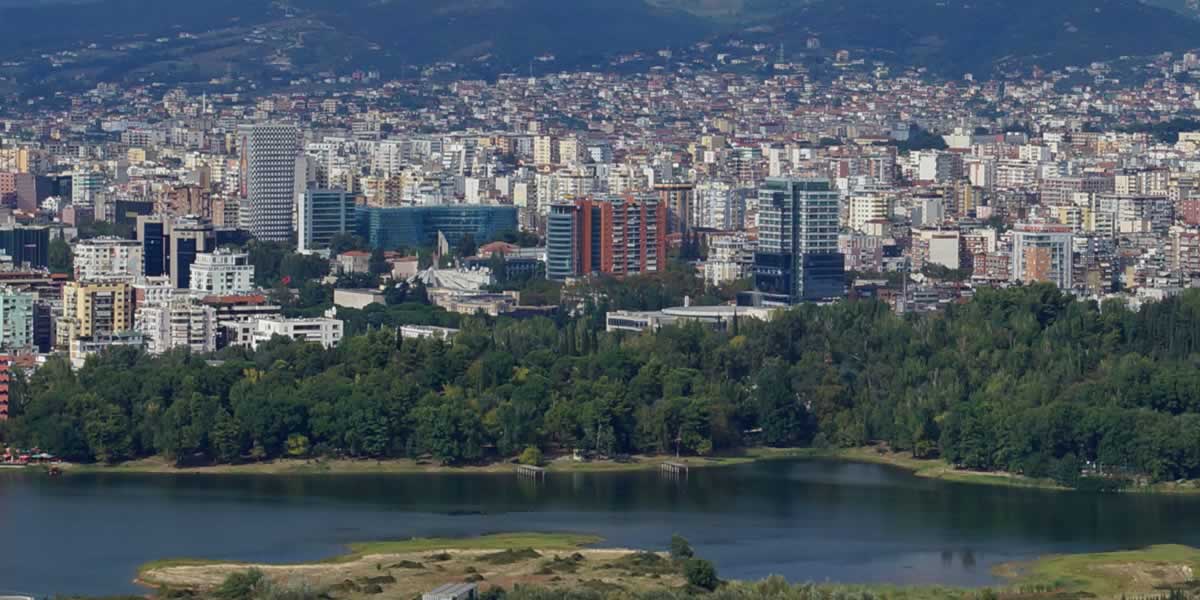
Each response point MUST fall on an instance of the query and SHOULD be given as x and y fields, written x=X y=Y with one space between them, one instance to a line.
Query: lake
x=810 y=520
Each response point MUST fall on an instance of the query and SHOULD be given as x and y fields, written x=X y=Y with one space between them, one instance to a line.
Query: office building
x=27 y=246
x=106 y=257
x=188 y=238
x=1042 y=253
x=222 y=273
x=419 y=226
x=152 y=234
x=618 y=236
x=270 y=154
x=797 y=259
x=324 y=214
x=94 y=309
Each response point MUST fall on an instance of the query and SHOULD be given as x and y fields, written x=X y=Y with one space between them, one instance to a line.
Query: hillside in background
x=952 y=37
x=273 y=41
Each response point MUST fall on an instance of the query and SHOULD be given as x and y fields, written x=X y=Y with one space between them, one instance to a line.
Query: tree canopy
x=1026 y=380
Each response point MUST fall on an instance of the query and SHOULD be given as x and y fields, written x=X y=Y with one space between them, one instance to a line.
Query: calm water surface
x=806 y=520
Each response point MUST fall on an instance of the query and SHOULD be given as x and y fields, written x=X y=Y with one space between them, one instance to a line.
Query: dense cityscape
x=739 y=252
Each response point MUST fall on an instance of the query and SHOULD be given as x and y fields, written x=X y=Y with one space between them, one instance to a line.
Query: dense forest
x=1025 y=379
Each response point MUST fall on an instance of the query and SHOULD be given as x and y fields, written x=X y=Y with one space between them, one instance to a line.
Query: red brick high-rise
x=617 y=236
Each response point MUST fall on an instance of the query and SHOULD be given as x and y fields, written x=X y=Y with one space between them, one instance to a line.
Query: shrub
x=701 y=573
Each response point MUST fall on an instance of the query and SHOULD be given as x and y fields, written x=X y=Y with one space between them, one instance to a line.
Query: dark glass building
x=26 y=245
x=797 y=258
x=152 y=233
x=418 y=226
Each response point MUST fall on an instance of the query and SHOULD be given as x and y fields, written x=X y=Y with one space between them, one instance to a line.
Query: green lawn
x=499 y=541
x=1109 y=574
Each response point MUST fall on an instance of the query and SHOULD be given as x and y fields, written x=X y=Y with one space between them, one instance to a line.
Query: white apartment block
x=222 y=273
x=179 y=323
x=108 y=257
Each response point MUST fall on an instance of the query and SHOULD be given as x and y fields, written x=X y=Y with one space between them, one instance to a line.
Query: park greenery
x=1025 y=380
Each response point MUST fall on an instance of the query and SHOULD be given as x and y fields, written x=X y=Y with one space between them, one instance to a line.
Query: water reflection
x=811 y=520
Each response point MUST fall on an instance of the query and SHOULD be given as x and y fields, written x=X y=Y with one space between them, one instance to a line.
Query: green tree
x=378 y=263
x=61 y=258
x=297 y=445
x=701 y=573
x=680 y=548
x=531 y=456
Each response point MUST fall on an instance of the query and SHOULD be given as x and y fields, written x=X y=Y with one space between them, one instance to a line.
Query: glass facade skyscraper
x=324 y=214
x=797 y=258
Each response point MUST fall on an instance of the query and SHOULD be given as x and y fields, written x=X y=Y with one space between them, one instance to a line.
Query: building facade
x=327 y=332
x=222 y=273
x=1042 y=253
x=618 y=236
x=17 y=319
x=270 y=154
x=108 y=257
x=324 y=214
x=419 y=226
x=797 y=259
x=94 y=309
x=181 y=322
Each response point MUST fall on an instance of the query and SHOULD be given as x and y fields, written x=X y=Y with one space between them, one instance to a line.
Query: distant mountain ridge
x=949 y=37
x=952 y=37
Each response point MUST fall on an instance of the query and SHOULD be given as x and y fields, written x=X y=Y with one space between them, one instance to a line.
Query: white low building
x=324 y=331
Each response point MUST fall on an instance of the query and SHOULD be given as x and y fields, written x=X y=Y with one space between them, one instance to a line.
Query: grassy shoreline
x=925 y=468
x=525 y=559
x=159 y=465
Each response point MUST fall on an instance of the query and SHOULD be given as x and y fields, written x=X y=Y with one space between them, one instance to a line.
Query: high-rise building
x=108 y=257
x=1042 y=253
x=91 y=309
x=26 y=245
x=679 y=198
x=618 y=236
x=86 y=186
x=222 y=273
x=270 y=154
x=188 y=237
x=797 y=258
x=543 y=151
x=324 y=214
x=152 y=234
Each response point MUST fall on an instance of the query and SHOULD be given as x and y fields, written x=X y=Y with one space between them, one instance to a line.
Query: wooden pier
x=673 y=469
x=531 y=471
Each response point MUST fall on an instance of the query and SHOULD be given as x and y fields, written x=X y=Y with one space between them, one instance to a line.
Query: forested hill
x=1025 y=380
x=489 y=37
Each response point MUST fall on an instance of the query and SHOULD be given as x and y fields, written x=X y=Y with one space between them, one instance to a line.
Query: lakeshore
x=403 y=569
x=924 y=468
